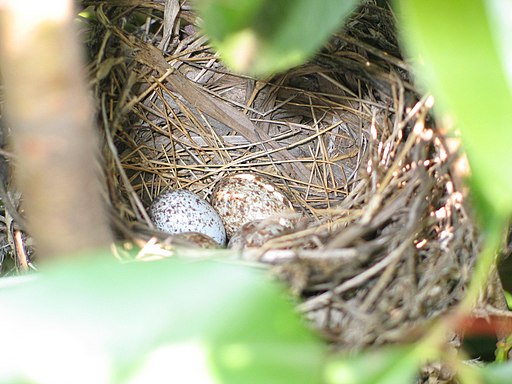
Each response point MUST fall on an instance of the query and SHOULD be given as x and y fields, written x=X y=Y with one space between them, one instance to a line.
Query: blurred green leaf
x=497 y=373
x=261 y=37
x=459 y=55
x=508 y=297
x=390 y=365
x=172 y=321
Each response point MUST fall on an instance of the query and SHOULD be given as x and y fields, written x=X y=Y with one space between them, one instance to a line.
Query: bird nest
x=383 y=242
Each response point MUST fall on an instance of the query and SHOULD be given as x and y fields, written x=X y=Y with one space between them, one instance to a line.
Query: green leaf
x=459 y=54
x=508 y=297
x=171 y=321
x=390 y=365
x=497 y=373
x=261 y=37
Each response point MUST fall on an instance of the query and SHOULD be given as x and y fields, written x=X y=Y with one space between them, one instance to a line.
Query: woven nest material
x=385 y=242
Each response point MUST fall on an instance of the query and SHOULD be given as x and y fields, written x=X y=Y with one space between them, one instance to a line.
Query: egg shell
x=181 y=211
x=256 y=233
x=246 y=197
x=197 y=240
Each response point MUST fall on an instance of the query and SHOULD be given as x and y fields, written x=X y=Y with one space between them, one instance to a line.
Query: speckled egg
x=197 y=240
x=256 y=233
x=246 y=197
x=182 y=211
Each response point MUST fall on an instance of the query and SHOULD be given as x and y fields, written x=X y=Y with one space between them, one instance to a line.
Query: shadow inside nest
x=386 y=243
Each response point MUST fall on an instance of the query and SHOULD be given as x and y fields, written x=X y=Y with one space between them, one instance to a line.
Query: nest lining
x=385 y=243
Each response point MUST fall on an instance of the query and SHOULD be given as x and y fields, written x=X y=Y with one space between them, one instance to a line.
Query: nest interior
x=385 y=242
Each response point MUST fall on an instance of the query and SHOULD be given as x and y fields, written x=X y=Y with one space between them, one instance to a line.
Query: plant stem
x=49 y=110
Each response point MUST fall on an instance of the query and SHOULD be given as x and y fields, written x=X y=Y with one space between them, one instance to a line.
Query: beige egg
x=246 y=197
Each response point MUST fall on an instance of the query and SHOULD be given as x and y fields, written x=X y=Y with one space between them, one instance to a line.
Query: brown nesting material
x=383 y=242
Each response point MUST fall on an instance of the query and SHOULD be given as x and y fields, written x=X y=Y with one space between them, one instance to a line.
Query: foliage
x=264 y=36
x=497 y=373
x=99 y=322
x=384 y=366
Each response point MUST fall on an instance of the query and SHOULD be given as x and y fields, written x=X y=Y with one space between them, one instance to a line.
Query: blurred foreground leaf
x=170 y=321
x=497 y=373
x=261 y=37
x=391 y=365
x=460 y=55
